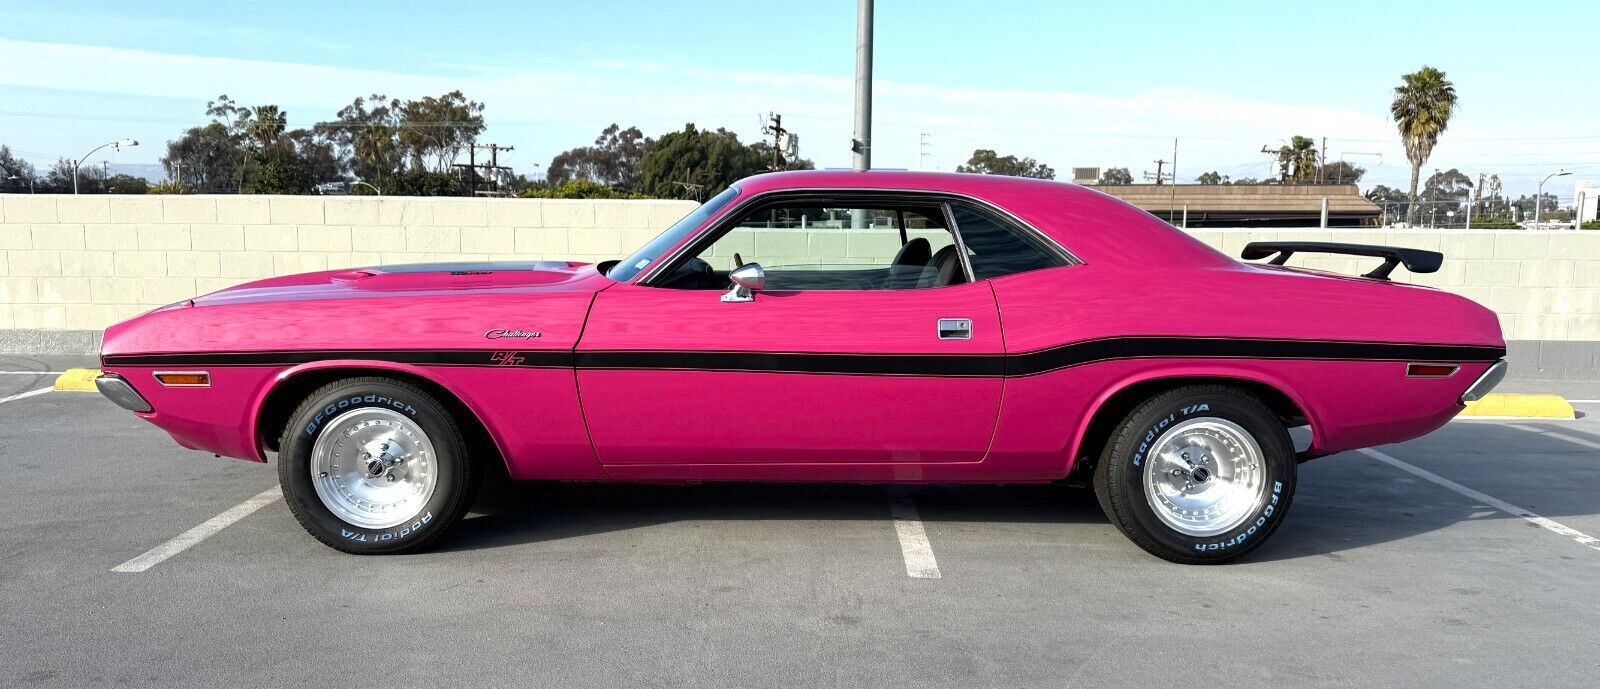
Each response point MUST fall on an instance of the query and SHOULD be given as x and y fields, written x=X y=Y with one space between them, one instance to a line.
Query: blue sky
x=1072 y=84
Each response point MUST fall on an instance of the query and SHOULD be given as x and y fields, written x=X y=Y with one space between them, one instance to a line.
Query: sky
x=1072 y=84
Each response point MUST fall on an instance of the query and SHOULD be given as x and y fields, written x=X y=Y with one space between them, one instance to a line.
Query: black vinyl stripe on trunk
x=927 y=365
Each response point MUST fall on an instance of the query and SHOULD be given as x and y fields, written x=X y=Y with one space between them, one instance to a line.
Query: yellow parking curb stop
x=77 y=380
x=1525 y=406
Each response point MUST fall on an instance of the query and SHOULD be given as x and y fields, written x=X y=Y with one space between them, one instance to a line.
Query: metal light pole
x=1538 y=199
x=862 y=145
x=115 y=146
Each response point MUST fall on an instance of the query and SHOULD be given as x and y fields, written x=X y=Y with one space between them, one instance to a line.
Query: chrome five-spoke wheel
x=1205 y=476
x=374 y=467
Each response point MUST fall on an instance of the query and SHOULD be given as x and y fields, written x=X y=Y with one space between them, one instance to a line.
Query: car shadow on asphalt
x=1343 y=503
x=511 y=513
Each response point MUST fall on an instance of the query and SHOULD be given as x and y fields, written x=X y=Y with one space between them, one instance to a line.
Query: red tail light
x=1431 y=370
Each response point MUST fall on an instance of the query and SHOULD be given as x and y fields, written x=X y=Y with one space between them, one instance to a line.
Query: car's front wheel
x=374 y=465
x=1197 y=475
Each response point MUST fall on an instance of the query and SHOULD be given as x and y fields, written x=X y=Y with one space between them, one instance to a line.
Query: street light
x=1538 y=199
x=14 y=178
x=115 y=146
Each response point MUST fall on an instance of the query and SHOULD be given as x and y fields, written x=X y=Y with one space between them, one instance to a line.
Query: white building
x=1586 y=200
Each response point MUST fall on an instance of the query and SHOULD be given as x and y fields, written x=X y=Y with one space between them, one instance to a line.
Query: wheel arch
x=289 y=388
x=1117 y=400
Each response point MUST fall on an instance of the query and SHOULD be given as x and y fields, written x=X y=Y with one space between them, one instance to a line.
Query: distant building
x=1251 y=205
x=1586 y=201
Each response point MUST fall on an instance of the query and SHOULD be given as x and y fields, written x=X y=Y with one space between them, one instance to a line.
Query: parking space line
x=188 y=539
x=25 y=395
x=1575 y=440
x=31 y=373
x=914 y=545
x=1542 y=522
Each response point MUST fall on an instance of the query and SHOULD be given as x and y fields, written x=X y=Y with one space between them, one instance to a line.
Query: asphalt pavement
x=1455 y=560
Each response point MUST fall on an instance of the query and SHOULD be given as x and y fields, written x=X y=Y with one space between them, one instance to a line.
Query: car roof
x=1095 y=227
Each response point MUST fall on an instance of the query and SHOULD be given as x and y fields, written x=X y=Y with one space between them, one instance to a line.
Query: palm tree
x=1423 y=104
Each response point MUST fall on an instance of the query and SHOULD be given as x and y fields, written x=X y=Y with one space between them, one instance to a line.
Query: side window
x=997 y=247
x=836 y=247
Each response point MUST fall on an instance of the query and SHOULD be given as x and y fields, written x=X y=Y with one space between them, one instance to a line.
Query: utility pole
x=862 y=144
x=1157 y=177
x=494 y=161
x=775 y=128
x=1322 y=159
x=924 y=150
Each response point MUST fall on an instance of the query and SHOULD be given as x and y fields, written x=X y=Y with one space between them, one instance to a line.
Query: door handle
x=955 y=328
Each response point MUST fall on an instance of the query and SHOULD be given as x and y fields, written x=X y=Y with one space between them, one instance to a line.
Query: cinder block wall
x=79 y=263
x=70 y=265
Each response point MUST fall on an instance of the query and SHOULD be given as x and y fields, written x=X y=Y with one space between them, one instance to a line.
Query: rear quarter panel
x=1349 y=403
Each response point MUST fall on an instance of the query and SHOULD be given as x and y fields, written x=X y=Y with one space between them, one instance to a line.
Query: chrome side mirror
x=747 y=280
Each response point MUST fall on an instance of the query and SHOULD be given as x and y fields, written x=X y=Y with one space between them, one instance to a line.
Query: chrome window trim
x=720 y=224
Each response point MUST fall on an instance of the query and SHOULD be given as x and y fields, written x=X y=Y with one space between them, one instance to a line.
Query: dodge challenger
x=874 y=327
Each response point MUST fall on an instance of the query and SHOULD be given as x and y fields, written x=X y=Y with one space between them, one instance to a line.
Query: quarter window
x=997 y=247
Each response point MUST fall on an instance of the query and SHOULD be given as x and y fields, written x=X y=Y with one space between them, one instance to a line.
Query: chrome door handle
x=955 y=328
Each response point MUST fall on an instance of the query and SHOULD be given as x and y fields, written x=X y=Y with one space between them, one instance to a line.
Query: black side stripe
x=925 y=365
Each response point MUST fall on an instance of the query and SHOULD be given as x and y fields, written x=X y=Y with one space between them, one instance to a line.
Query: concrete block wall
x=70 y=265
x=79 y=263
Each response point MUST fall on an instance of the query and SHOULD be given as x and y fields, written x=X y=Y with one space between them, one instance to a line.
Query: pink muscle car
x=823 y=326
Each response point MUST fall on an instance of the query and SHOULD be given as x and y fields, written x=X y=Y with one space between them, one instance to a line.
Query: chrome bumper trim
x=119 y=391
x=1485 y=382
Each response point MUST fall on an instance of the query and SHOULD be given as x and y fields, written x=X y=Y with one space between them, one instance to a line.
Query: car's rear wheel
x=1197 y=475
x=375 y=465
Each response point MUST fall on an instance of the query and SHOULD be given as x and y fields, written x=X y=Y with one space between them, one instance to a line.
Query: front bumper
x=116 y=389
x=1485 y=382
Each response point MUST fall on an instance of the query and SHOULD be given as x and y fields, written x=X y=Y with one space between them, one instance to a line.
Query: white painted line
x=914 y=546
x=1583 y=401
x=1575 y=440
x=188 y=539
x=25 y=395
x=31 y=373
x=1547 y=524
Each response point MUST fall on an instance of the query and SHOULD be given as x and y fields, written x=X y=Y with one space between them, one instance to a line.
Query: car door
x=859 y=350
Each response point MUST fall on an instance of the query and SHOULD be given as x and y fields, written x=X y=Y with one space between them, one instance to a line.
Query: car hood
x=419 y=279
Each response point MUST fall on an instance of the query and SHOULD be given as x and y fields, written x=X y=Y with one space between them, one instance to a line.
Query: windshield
x=627 y=268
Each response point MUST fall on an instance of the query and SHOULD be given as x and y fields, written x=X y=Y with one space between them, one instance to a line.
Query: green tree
x=204 y=159
x=1394 y=202
x=985 y=161
x=578 y=189
x=763 y=150
x=1297 y=160
x=1423 y=104
x=1341 y=172
x=696 y=164
x=15 y=173
x=1212 y=177
x=1116 y=176
x=613 y=160
x=126 y=184
x=435 y=130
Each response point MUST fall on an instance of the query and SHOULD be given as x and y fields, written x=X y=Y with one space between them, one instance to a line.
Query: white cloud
x=558 y=105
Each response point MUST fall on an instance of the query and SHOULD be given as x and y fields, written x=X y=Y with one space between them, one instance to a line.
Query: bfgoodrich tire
x=375 y=466
x=1197 y=475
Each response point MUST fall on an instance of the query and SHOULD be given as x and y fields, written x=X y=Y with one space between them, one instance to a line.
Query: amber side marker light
x=184 y=379
x=1431 y=370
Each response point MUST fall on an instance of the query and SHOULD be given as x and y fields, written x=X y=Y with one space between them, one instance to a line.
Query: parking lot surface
x=1397 y=568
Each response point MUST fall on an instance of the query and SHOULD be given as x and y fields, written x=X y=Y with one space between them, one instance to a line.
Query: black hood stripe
x=926 y=365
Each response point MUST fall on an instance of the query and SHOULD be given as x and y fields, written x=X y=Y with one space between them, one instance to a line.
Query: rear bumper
x=1485 y=382
x=116 y=389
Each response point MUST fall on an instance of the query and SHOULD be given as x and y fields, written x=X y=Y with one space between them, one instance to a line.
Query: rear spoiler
x=1415 y=260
